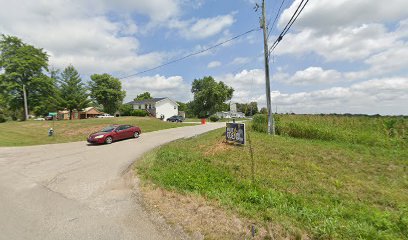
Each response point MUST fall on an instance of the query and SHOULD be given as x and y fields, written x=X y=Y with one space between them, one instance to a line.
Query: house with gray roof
x=161 y=108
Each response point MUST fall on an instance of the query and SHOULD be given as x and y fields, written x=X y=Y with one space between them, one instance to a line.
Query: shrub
x=139 y=113
x=260 y=123
x=126 y=110
x=2 y=118
x=214 y=118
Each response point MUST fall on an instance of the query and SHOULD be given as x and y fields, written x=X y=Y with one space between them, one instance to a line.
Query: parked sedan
x=113 y=133
x=175 y=119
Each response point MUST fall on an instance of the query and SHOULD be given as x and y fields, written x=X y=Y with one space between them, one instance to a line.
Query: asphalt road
x=80 y=191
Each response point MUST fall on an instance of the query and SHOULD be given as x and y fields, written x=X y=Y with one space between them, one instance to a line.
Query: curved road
x=79 y=191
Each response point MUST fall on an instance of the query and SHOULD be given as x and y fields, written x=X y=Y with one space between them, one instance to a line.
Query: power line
x=276 y=17
x=289 y=24
x=191 y=54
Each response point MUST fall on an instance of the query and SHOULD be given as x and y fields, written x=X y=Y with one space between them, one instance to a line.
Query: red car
x=114 y=133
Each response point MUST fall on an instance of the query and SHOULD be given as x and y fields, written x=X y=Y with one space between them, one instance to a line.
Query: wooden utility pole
x=25 y=103
x=271 y=123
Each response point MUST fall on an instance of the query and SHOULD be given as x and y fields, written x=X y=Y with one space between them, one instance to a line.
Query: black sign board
x=235 y=132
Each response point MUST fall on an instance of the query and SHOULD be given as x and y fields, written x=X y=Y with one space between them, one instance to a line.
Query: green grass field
x=36 y=132
x=350 y=185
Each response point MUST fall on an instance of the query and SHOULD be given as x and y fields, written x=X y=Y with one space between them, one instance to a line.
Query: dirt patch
x=205 y=219
x=221 y=146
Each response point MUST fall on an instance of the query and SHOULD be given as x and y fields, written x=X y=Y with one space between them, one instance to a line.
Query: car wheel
x=108 y=140
x=136 y=134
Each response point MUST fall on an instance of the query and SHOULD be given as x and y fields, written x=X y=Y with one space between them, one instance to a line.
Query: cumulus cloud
x=240 y=60
x=314 y=75
x=214 y=64
x=344 y=13
x=202 y=28
x=348 y=43
x=173 y=87
x=78 y=33
x=382 y=95
x=351 y=30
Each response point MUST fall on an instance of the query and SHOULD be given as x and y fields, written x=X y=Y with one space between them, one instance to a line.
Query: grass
x=336 y=188
x=36 y=132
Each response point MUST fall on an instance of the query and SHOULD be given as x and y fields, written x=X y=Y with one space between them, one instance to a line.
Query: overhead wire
x=276 y=17
x=191 y=54
x=292 y=20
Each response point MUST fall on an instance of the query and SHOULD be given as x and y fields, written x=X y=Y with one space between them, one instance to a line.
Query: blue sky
x=340 y=56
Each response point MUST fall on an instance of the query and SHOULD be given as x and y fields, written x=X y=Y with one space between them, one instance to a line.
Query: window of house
x=175 y=107
x=140 y=106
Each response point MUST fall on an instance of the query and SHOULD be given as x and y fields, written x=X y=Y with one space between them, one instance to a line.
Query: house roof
x=147 y=101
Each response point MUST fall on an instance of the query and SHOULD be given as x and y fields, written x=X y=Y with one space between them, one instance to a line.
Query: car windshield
x=108 y=129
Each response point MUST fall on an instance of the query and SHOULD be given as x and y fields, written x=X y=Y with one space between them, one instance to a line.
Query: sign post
x=235 y=132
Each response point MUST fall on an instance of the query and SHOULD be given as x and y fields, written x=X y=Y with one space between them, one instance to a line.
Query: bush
x=214 y=118
x=2 y=118
x=126 y=110
x=260 y=123
x=139 y=113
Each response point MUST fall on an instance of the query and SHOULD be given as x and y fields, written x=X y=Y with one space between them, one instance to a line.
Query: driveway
x=77 y=191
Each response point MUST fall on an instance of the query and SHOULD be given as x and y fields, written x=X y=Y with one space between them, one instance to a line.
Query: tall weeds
x=375 y=131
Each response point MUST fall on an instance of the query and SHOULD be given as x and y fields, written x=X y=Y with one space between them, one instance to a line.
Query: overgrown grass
x=36 y=132
x=378 y=131
x=328 y=189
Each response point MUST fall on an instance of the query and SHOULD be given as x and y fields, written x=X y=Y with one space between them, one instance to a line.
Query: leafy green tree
x=22 y=64
x=73 y=92
x=249 y=109
x=264 y=110
x=209 y=96
x=107 y=91
x=182 y=106
x=143 y=96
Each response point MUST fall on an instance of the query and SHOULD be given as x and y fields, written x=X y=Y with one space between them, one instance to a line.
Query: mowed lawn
x=349 y=186
x=36 y=132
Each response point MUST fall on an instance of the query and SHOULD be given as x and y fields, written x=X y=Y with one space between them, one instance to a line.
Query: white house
x=157 y=107
x=233 y=113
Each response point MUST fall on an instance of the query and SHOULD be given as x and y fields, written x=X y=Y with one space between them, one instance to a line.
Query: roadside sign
x=235 y=132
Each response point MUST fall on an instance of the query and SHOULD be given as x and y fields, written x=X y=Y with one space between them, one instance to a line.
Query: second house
x=161 y=108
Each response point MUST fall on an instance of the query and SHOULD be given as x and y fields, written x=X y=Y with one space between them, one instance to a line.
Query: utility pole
x=271 y=122
x=25 y=102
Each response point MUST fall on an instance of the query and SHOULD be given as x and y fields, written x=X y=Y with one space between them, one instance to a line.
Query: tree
x=143 y=96
x=73 y=92
x=182 y=106
x=23 y=64
x=107 y=91
x=264 y=110
x=209 y=96
x=249 y=109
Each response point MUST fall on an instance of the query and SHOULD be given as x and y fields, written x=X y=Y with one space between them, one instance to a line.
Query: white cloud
x=240 y=61
x=214 y=64
x=78 y=33
x=314 y=75
x=203 y=28
x=173 y=87
x=383 y=95
x=345 y=29
x=348 y=43
x=328 y=15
